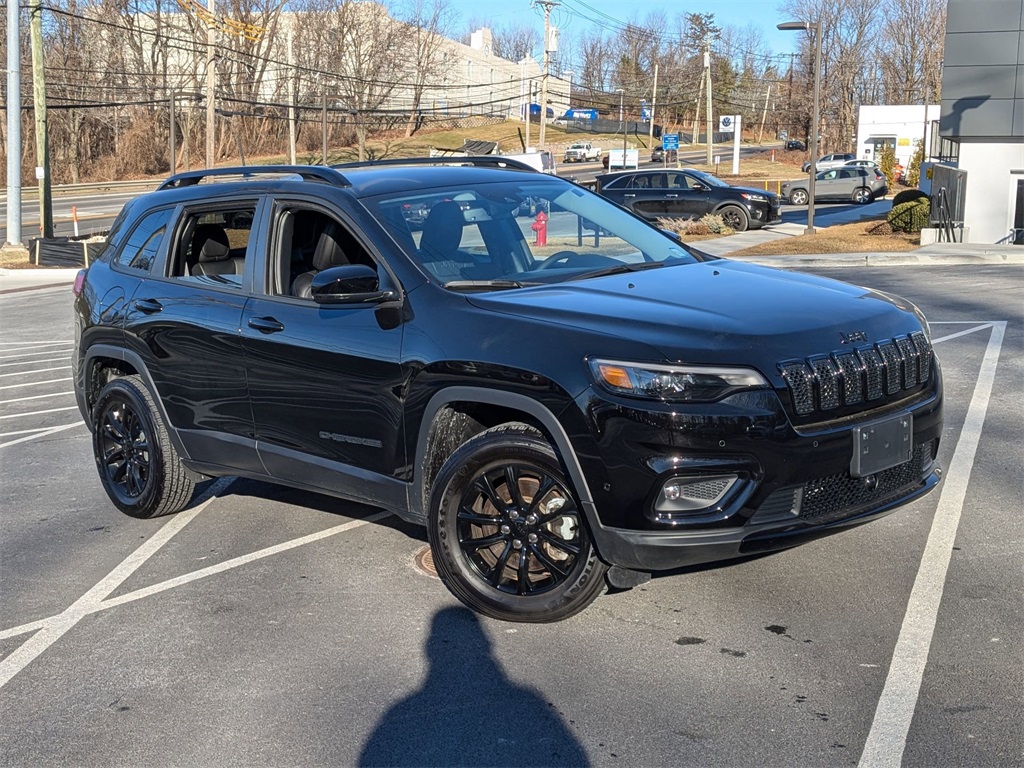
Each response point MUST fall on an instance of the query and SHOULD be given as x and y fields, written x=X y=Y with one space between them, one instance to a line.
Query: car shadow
x=468 y=712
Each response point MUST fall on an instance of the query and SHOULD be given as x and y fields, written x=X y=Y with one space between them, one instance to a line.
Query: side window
x=307 y=241
x=144 y=243
x=212 y=245
x=678 y=181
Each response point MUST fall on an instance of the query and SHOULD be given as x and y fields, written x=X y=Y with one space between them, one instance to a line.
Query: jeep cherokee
x=606 y=405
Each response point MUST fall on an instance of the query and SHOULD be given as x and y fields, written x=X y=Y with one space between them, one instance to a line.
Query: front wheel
x=798 y=197
x=138 y=466
x=508 y=536
x=735 y=218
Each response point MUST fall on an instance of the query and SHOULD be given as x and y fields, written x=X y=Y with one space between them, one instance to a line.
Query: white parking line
x=61 y=359
x=57 y=626
x=49 y=431
x=962 y=333
x=36 y=413
x=35 y=383
x=33 y=397
x=887 y=738
x=33 y=354
x=37 y=370
x=39 y=429
x=33 y=343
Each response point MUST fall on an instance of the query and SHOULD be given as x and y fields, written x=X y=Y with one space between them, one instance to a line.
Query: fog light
x=692 y=494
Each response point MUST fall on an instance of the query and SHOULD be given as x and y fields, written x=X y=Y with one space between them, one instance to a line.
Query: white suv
x=829 y=161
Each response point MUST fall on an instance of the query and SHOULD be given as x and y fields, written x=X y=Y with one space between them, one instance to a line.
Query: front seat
x=211 y=252
x=439 y=244
x=328 y=254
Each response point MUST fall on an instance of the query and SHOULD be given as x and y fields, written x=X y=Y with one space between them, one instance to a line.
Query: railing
x=947 y=227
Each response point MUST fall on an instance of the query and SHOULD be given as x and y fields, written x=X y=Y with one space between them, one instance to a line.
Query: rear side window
x=144 y=243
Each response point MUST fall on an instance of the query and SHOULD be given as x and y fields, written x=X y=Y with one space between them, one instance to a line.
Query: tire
x=862 y=196
x=480 y=524
x=798 y=197
x=138 y=466
x=734 y=217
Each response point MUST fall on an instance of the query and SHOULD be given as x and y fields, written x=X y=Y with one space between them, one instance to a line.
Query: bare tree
x=428 y=23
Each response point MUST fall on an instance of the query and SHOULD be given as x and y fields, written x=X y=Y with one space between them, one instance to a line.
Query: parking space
x=265 y=625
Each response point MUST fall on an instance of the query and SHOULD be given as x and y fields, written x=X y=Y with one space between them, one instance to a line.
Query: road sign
x=670 y=141
x=726 y=124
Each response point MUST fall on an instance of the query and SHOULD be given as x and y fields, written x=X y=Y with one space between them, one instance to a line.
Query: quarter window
x=142 y=247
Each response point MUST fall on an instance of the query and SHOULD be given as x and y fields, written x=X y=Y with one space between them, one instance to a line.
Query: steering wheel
x=559 y=259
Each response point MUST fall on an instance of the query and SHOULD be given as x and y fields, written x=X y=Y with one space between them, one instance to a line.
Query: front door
x=325 y=381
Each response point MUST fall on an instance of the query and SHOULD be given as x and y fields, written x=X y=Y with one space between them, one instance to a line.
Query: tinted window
x=212 y=246
x=141 y=249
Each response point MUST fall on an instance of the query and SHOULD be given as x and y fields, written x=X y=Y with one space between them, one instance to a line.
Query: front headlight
x=686 y=383
x=749 y=196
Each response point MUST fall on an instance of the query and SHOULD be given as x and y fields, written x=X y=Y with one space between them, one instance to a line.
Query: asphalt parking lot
x=269 y=626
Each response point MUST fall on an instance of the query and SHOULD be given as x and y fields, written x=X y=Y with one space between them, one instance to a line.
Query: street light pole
x=622 y=125
x=815 y=109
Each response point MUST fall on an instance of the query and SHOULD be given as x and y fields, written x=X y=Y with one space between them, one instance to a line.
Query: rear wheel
x=862 y=196
x=507 y=533
x=138 y=466
x=735 y=218
x=798 y=197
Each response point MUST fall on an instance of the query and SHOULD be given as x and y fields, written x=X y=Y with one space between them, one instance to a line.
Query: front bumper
x=794 y=484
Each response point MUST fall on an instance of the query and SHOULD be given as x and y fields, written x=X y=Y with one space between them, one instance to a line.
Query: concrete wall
x=992 y=174
x=903 y=123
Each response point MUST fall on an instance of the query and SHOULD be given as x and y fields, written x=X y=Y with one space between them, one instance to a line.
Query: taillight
x=79 y=282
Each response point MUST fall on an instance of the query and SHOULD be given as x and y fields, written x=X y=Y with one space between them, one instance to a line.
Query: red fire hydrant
x=540 y=226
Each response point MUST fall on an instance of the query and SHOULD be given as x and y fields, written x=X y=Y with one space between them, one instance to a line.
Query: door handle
x=630 y=195
x=265 y=324
x=672 y=196
x=149 y=306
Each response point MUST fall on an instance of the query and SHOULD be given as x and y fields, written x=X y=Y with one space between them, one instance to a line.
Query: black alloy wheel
x=735 y=218
x=137 y=463
x=508 y=535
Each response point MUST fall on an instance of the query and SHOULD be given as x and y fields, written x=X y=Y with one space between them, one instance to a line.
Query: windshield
x=518 y=233
x=708 y=179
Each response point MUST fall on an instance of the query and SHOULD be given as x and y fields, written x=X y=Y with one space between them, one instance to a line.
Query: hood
x=756 y=191
x=720 y=312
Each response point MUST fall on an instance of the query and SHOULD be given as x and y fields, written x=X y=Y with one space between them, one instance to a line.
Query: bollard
x=74 y=218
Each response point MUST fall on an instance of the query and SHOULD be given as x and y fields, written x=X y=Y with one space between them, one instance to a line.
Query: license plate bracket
x=882 y=444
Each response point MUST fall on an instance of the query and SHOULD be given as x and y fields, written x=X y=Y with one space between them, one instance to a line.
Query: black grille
x=833 y=498
x=850 y=377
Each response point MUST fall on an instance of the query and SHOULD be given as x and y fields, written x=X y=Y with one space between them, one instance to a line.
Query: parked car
x=659 y=155
x=654 y=194
x=558 y=416
x=796 y=144
x=858 y=185
x=870 y=165
x=828 y=161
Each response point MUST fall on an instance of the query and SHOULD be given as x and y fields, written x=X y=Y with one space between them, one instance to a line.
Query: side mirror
x=349 y=284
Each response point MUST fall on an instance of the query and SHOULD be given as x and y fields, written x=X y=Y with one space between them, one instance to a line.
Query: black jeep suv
x=594 y=408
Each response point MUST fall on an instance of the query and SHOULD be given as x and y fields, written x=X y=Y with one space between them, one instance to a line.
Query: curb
x=874 y=259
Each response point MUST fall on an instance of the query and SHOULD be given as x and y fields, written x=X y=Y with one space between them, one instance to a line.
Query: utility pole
x=654 y=103
x=323 y=126
x=42 y=135
x=548 y=5
x=291 y=95
x=173 y=159
x=13 y=130
x=211 y=85
x=764 y=114
x=529 y=106
x=696 y=112
x=707 y=76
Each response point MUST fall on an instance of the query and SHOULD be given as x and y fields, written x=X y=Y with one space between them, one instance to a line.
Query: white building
x=900 y=126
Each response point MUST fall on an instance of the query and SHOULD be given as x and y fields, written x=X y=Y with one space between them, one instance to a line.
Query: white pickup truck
x=582 y=151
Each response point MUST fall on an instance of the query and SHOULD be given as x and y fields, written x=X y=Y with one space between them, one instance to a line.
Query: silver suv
x=828 y=161
x=858 y=185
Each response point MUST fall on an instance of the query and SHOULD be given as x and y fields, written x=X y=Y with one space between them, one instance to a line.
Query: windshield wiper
x=620 y=269
x=472 y=286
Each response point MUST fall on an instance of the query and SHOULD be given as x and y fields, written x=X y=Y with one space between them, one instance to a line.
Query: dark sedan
x=655 y=194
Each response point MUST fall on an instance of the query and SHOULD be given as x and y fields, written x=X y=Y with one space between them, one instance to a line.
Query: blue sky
x=739 y=13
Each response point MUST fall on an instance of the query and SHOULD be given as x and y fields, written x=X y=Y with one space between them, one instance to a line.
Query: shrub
x=887 y=165
x=907 y=195
x=709 y=224
x=694 y=227
x=911 y=216
x=715 y=224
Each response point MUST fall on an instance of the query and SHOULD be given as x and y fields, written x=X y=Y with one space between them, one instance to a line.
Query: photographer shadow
x=468 y=713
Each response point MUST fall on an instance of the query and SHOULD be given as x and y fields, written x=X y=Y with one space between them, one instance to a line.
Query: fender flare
x=509 y=400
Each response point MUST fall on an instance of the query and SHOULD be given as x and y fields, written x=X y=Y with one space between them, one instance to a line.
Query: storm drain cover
x=424 y=562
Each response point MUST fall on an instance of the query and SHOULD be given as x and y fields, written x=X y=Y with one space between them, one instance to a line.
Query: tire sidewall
x=455 y=569
x=738 y=212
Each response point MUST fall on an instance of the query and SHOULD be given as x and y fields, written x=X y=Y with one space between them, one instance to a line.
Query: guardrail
x=145 y=185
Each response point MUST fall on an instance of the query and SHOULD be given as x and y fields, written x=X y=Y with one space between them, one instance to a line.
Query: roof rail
x=497 y=161
x=306 y=172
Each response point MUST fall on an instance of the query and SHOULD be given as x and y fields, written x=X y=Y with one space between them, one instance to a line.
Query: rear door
x=183 y=321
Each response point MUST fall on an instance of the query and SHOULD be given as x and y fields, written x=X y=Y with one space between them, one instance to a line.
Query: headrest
x=442 y=230
x=210 y=241
x=328 y=251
